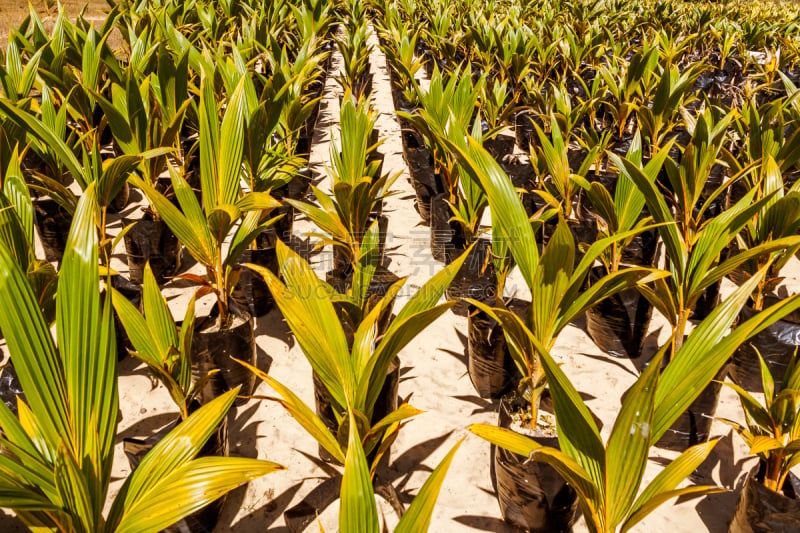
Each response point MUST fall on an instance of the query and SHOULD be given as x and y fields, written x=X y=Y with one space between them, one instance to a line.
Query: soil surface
x=13 y=12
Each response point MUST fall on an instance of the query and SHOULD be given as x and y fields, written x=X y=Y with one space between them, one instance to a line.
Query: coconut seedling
x=226 y=214
x=355 y=77
x=514 y=50
x=556 y=286
x=657 y=114
x=109 y=176
x=553 y=277
x=443 y=33
x=771 y=430
x=15 y=79
x=358 y=187
x=146 y=111
x=607 y=477
x=147 y=114
x=354 y=377
x=449 y=103
x=166 y=350
x=498 y=105
x=559 y=187
x=447 y=110
x=57 y=466
x=400 y=53
x=296 y=75
x=40 y=159
x=779 y=218
x=618 y=325
x=314 y=20
x=624 y=82
x=694 y=243
x=160 y=344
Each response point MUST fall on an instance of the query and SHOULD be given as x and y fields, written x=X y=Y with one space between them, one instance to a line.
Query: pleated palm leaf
x=56 y=470
x=358 y=511
x=17 y=233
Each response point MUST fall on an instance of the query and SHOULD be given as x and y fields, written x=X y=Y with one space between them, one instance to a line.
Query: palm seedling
x=559 y=186
x=448 y=104
x=623 y=83
x=203 y=230
x=513 y=53
x=694 y=245
x=296 y=76
x=57 y=460
x=444 y=34
x=498 y=106
x=147 y=114
x=17 y=80
x=607 y=476
x=619 y=324
x=779 y=218
x=167 y=351
x=355 y=376
x=400 y=53
x=355 y=77
x=657 y=116
x=554 y=279
x=771 y=430
x=109 y=176
x=358 y=188
x=217 y=233
x=446 y=112
x=619 y=210
x=159 y=343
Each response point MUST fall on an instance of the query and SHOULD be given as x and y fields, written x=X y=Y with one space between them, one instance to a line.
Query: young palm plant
x=771 y=430
x=554 y=280
x=353 y=377
x=619 y=324
x=109 y=176
x=608 y=476
x=694 y=245
x=57 y=468
x=159 y=343
x=217 y=234
x=358 y=188
x=203 y=230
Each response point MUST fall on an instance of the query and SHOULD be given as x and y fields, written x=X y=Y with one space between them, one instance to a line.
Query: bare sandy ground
x=433 y=371
x=13 y=12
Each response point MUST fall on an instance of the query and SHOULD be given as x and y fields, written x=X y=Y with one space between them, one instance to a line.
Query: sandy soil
x=13 y=12
x=433 y=371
